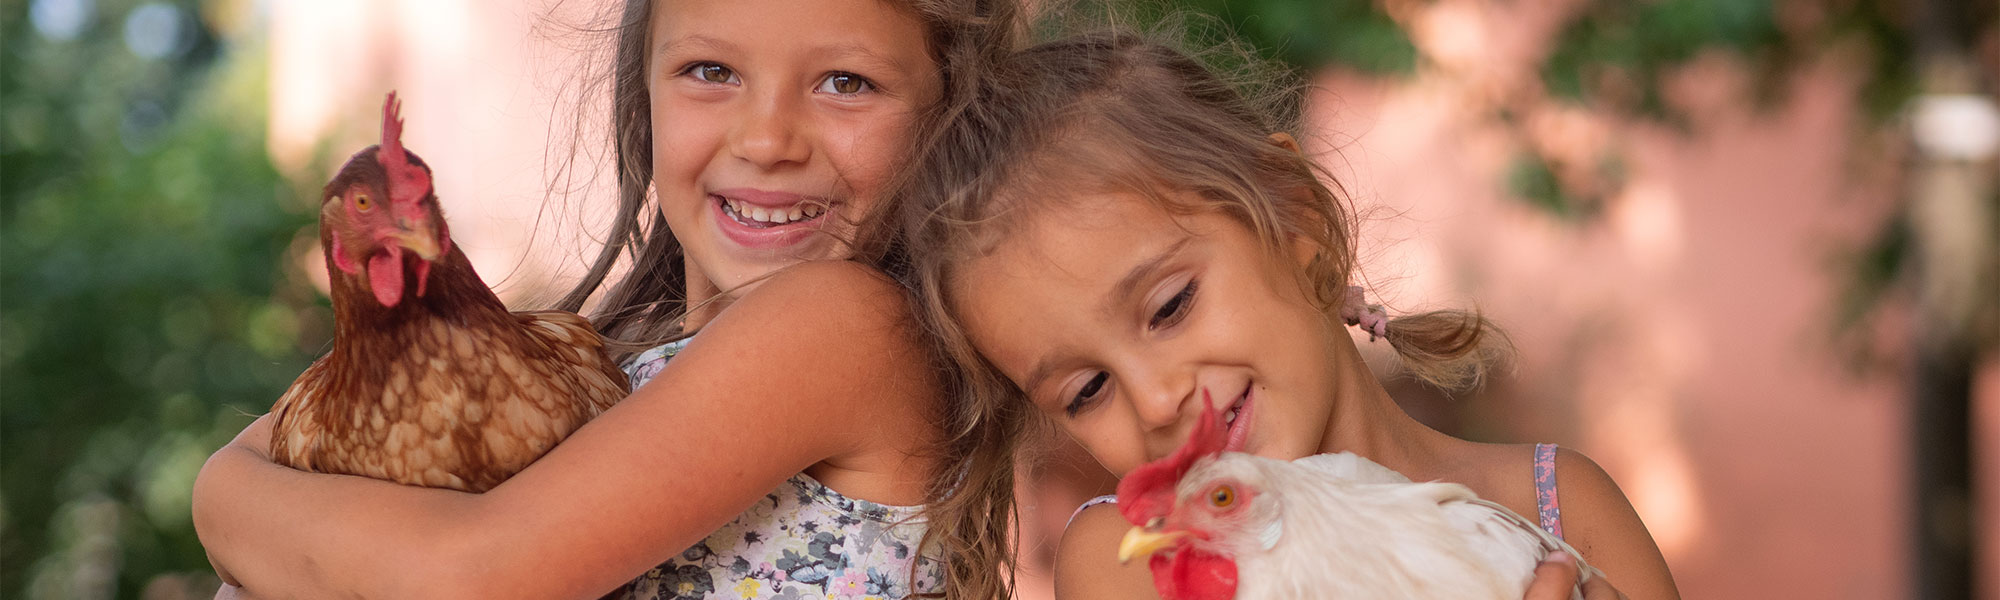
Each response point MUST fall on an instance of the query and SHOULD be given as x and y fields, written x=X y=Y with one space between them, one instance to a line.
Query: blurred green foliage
x=1638 y=42
x=1314 y=33
x=1301 y=34
x=143 y=303
x=1641 y=41
x=1613 y=55
x=1618 y=56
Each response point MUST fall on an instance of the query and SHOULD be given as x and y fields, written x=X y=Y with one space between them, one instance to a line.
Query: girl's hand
x=1557 y=575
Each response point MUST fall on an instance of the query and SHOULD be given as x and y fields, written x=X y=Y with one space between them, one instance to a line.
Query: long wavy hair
x=646 y=306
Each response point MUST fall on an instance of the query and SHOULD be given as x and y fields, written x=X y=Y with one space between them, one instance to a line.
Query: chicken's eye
x=361 y=202
x=1222 y=496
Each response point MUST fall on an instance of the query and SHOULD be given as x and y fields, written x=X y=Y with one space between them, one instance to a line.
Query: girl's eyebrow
x=850 y=51
x=693 y=41
x=855 y=51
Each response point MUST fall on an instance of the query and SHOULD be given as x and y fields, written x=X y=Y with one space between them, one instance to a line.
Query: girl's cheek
x=869 y=156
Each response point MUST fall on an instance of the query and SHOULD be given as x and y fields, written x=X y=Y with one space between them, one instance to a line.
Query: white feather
x=1341 y=526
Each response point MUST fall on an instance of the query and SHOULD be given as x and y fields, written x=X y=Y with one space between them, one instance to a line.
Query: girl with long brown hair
x=793 y=443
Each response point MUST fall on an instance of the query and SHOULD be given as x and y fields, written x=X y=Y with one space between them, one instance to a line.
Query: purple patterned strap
x=1545 y=489
x=1087 y=504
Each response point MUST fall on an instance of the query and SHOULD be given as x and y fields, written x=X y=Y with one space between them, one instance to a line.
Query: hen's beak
x=418 y=240
x=1145 y=540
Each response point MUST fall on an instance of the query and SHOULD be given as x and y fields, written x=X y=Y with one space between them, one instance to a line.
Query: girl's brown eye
x=361 y=202
x=845 y=84
x=711 y=73
x=1222 y=496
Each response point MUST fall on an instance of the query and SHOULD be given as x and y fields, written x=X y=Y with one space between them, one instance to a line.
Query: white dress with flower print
x=802 y=540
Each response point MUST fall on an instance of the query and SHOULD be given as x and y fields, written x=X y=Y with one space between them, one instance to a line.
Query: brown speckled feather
x=460 y=408
x=445 y=389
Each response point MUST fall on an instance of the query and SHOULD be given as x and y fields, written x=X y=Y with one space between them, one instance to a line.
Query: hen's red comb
x=1148 y=491
x=407 y=182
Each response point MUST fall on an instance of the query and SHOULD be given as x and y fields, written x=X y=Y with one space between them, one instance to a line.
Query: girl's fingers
x=1554 y=579
x=1599 y=588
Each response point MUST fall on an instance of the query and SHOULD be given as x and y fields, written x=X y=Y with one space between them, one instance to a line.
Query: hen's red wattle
x=1193 y=574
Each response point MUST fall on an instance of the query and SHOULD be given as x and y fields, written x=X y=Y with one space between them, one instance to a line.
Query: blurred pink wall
x=488 y=92
x=1679 y=338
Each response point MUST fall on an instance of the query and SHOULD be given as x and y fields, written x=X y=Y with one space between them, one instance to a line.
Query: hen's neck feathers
x=454 y=294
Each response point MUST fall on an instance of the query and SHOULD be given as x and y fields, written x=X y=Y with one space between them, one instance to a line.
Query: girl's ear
x=1285 y=140
x=1303 y=250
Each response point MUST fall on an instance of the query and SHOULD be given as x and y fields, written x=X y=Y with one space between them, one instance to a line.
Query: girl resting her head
x=1111 y=232
x=790 y=446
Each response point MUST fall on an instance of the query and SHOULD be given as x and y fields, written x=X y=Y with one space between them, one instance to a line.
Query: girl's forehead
x=1080 y=242
x=871 y=22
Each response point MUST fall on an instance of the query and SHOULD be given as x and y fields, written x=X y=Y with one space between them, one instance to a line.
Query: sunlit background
x=1747 y=250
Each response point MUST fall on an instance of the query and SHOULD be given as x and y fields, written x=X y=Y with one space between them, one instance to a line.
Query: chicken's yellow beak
x=418 y=241
x=1144 y=541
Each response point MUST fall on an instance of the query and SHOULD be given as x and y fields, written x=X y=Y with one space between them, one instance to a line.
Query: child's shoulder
x=833 y=281
x=1513 y=474
x=837 y=296
x=1595 y=515
x=834 y=320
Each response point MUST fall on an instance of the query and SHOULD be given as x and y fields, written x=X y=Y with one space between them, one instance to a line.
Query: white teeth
x=1230 y=418
x=751 y=213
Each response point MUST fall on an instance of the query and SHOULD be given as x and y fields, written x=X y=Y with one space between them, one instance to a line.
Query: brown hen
x=431 y=380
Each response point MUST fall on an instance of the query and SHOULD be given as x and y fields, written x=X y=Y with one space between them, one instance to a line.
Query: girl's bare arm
x=789 y=376
x=1600 y=522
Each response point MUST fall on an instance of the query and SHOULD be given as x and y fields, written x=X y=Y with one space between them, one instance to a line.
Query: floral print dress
x=802 y=540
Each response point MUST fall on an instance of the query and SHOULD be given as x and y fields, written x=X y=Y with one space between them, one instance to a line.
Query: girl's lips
x=1239 y=429
x=764 y=237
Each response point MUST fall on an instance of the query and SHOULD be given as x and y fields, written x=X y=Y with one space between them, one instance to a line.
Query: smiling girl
x=1113 y=233
x=791 y=444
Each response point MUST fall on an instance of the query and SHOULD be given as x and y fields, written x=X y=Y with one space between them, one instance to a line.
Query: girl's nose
x=769 y=134
x=1161 y=400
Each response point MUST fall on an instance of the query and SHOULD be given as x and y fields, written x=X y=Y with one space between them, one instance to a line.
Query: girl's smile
x=1237 y=417
x=776 y=125
x=769 y=220
x=1120 y=319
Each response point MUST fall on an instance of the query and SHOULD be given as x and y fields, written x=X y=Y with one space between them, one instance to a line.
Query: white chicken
x=1220 y=525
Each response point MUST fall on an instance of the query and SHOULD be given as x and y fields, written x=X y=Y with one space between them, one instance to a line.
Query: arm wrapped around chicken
x=1219 y=525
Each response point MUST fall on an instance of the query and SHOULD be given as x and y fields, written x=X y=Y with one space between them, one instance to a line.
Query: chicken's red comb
x=407 y=182
x=1148 y=491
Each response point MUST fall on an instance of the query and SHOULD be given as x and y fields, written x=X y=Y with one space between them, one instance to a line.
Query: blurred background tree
x=147 y=300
